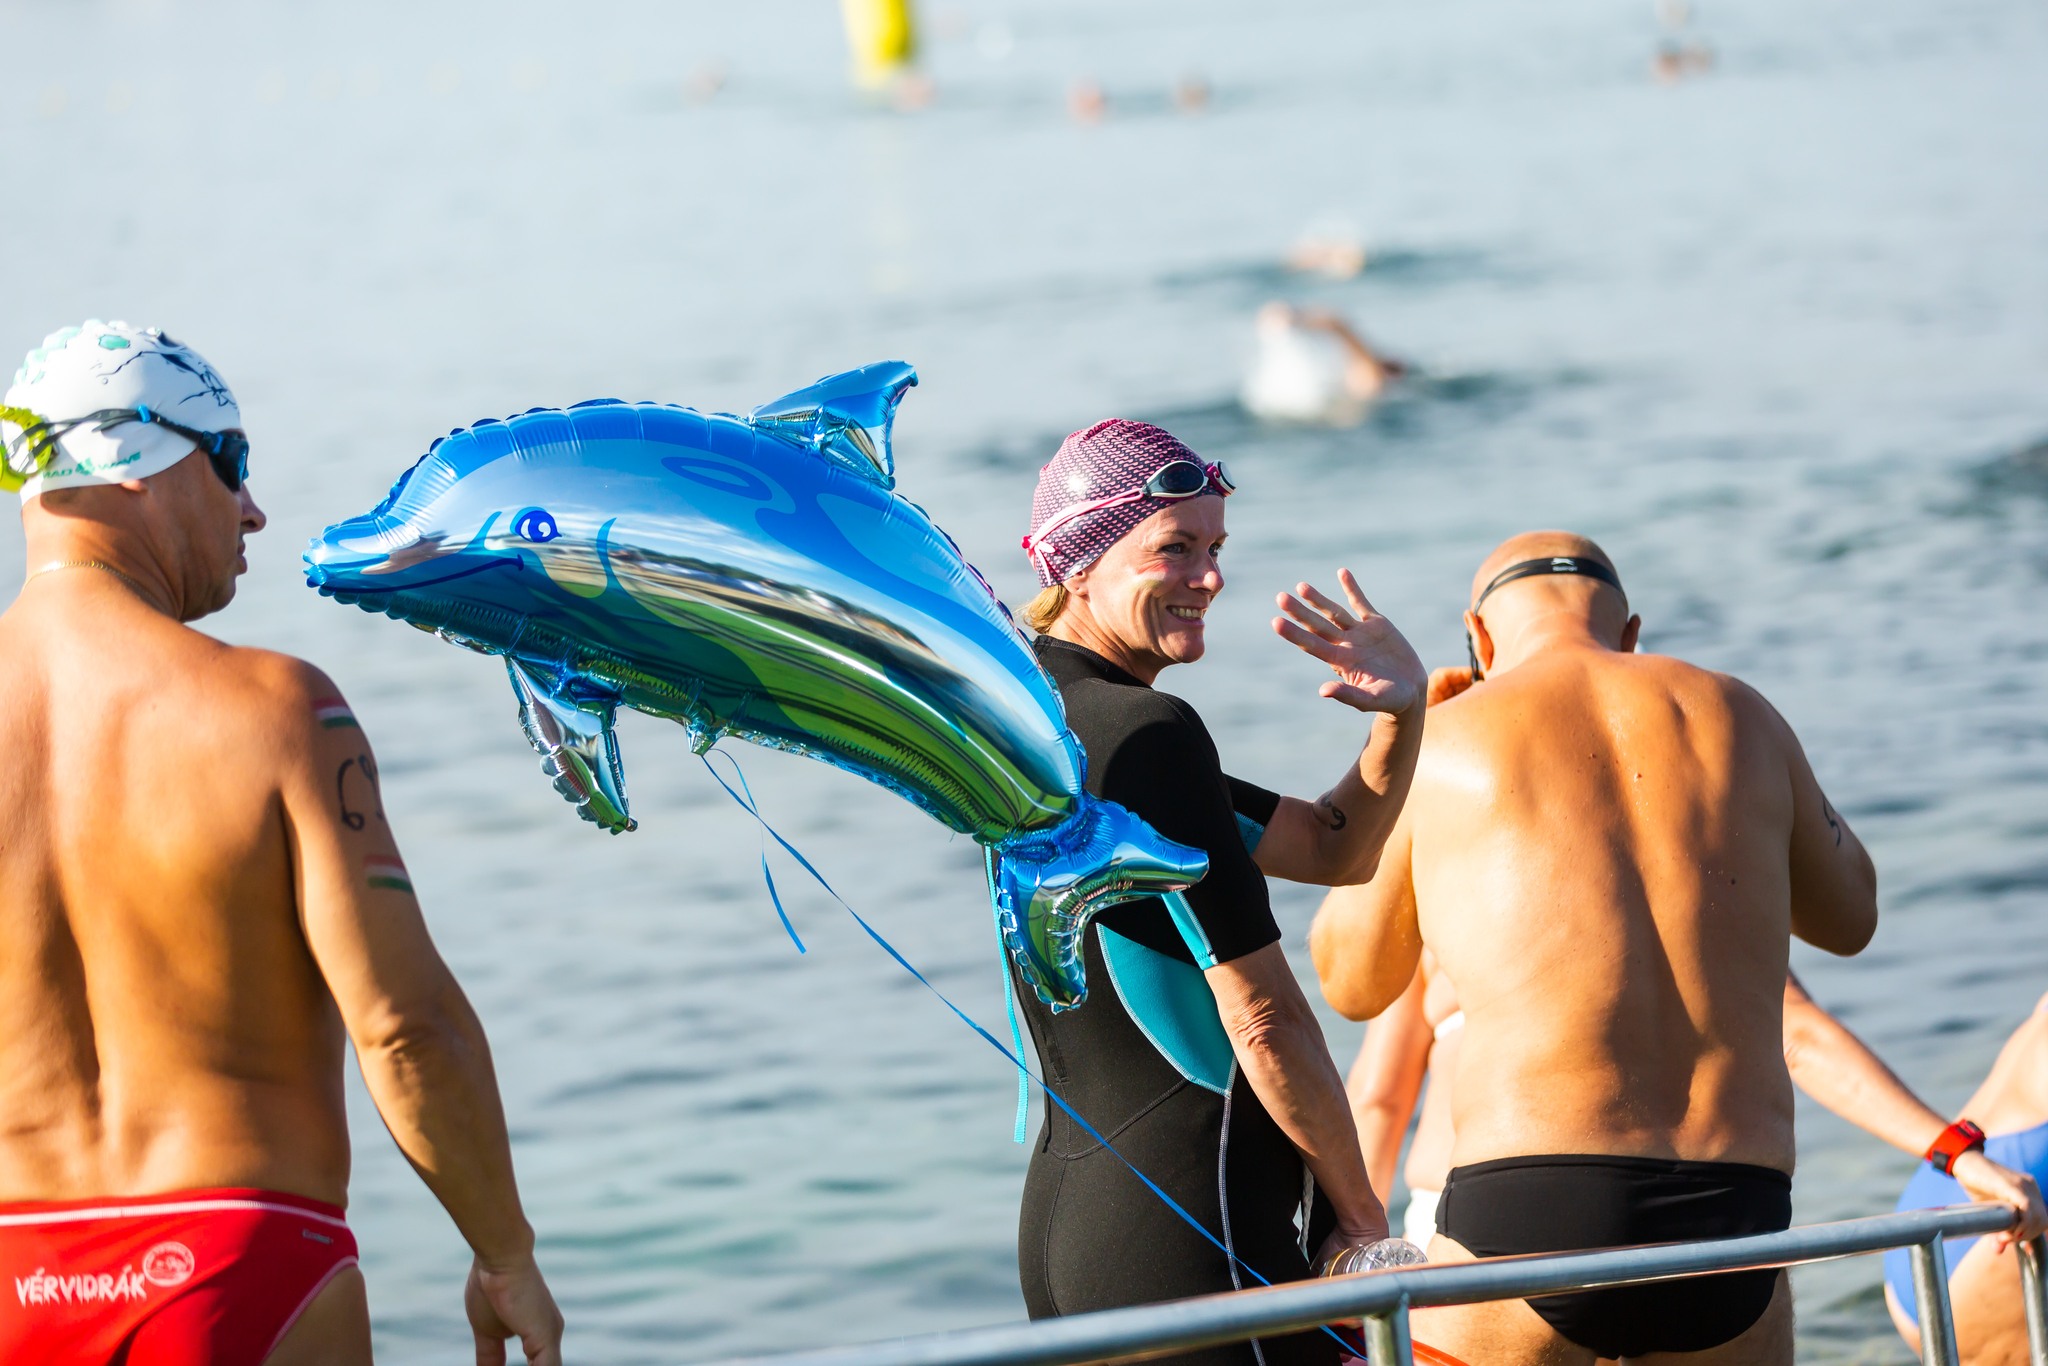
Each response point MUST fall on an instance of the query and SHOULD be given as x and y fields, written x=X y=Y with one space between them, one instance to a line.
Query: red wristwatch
x=1957 y=1139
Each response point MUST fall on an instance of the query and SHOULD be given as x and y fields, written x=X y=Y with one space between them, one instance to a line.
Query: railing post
x=1386 y=1338
x=2034 y=1294
x=1930 y=1296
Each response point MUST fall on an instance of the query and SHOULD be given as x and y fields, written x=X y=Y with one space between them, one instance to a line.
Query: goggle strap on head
x=1551 y=564
x=33 y=438
x=39 y=437
x=1529 y=569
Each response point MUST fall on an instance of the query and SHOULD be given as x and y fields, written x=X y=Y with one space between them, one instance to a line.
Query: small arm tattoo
x=1330 y=813
x=353 y=819
x=387 y=874
x=333 y=714
x=1834 y=821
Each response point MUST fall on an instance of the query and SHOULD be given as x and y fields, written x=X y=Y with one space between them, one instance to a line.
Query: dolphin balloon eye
x=536 y=525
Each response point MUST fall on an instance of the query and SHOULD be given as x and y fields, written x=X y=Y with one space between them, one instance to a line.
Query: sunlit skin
x=180 y=536
x=1608 y=853
x=1143 y=606
x=1827 y=1062
x=189 y=933
x=1984 y=1287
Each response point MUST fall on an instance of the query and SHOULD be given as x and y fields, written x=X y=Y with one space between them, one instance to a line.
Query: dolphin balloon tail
x=1048 y=884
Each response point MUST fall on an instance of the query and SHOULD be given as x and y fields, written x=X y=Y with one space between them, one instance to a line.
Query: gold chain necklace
x=54 y=565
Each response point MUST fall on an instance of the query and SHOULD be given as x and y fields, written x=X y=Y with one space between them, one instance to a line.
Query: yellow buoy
x=883 y=37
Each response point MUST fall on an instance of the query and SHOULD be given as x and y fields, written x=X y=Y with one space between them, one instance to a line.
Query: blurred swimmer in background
x=1682 y=53
x=1313 y=367
x=1331 y=247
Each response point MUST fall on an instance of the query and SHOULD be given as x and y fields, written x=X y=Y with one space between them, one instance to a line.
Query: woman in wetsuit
x=1196 y=1053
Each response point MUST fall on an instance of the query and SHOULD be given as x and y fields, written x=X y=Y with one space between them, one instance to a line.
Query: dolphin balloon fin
x=578 y=747
x=846 y=417
x=1049 y=884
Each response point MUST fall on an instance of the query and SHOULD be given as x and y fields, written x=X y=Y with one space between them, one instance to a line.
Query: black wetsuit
x=1091 y=1236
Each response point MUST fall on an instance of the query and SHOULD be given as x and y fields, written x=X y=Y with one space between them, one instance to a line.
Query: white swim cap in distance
x=97 y=366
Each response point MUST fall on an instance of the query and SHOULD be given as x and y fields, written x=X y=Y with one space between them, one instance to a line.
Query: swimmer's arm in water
x=1367 y=939
x=1831 y=1064
x=1281 y=1050
x=422 y=1050
x=1365 y=369
x=1337 y=839
x=1834 y=883
x=1386 y=1081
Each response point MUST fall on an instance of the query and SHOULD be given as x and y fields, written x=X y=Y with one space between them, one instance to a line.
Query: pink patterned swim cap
x=1113 y=457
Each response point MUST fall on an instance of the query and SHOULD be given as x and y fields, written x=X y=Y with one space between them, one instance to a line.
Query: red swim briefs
x=194 y=1278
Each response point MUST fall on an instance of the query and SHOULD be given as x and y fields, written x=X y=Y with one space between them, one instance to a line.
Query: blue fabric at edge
x=2025 y=1151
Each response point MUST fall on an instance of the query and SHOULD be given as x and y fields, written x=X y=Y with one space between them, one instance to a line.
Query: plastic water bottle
x=1384 y=1255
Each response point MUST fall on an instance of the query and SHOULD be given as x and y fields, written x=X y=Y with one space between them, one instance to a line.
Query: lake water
x=1778 y=336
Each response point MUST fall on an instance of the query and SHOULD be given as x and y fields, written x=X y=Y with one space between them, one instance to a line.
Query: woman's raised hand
x=1376 y=668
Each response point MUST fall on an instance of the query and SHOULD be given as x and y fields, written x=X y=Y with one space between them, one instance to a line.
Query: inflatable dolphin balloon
x=758 y=577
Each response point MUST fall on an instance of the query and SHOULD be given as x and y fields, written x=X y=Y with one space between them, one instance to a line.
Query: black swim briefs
x=1573 y=1203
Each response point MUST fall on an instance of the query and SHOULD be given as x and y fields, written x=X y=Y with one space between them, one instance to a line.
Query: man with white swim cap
x=1608 y=853
x=201 y=905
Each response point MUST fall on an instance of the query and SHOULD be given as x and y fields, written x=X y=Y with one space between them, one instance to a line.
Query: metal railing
x=1383 y=1298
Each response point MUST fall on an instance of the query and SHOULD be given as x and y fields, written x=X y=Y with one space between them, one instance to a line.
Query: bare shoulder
x=1744 y=703
x=1455 y=716
x=2032 y=1035
x=275 y=699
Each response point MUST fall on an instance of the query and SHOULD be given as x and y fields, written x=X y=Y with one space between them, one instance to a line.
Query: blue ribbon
x=747 y=802
x=1015 y=1058
x=988 y=863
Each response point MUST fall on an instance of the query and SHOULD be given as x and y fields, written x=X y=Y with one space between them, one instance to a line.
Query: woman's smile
x=1143 y=602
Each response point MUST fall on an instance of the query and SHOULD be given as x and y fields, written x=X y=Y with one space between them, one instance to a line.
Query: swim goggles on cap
x=227 y=451
x=1527 y=569
x=1170 y=483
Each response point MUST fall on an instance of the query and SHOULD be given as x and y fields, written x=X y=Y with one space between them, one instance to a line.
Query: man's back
x=162 y=1023
x=1600 y=863
x=1608 y=855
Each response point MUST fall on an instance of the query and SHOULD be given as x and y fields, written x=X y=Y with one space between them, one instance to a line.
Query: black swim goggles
x=227 y=451
x=1529 y=569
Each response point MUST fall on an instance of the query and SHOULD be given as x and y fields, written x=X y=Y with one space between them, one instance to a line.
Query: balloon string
x=988 y=863
x=1014 y=1058
x=766 y=876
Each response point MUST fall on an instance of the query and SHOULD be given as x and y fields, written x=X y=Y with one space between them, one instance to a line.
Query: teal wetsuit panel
x=1171 y=1002
x=1250 y=831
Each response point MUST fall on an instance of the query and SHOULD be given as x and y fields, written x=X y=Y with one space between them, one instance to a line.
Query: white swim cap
x=95 y=367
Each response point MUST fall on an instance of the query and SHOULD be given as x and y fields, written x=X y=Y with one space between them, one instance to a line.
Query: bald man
x=1608 y=853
